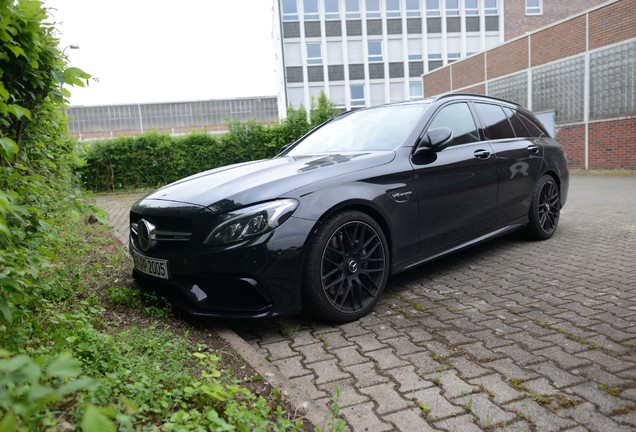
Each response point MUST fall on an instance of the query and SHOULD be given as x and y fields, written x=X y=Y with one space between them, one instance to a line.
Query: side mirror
x=435 y=140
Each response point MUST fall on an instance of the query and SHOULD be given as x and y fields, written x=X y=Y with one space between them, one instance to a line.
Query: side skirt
x=421 y=259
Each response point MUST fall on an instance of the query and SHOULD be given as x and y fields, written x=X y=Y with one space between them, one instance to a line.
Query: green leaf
x=20 y=368
x=4 y=94
x=18 y=111
x=5 y=310
x=9 y=148
x=64 y=367
x=75 y=216
x=82 y=383
x=9 y=423
x=75 y=76
x=95 y=421
x=16 y=50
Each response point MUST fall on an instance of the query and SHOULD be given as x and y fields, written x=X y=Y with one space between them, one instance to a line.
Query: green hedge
x=152 y=159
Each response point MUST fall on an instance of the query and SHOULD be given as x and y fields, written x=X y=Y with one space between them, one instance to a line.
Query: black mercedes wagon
x=370 y=193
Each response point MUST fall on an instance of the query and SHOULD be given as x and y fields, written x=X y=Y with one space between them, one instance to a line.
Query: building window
x=432 y=8
x=375 y=51
x=311 y=10
x=332 y=10
x=415 y=89
x=452 y=56
x=471 y=7
x=352 y=8
x=490 y=7
x=413 y=8
x=393 y=8
x=415 y=49
x=534 y=7
x=452 y=7
x=357 y=95
x=373 y=8
x=290 y=13
x=314 y=55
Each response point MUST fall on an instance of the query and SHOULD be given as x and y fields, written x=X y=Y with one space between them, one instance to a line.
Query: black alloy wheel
x=545 y=209
x=347 y=267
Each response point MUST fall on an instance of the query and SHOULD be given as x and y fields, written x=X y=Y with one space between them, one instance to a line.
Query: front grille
x=171 y=234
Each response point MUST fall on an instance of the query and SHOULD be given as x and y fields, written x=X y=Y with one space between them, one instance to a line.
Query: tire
x=545 y=209
x=346 y=268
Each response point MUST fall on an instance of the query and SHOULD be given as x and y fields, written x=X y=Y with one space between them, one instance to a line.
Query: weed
x=565 y=402
x=614 y=391
x=468 y=403
x=335 y=422
x=425 y=409
x=517 y=384
x=624 y=410
x=289 y=331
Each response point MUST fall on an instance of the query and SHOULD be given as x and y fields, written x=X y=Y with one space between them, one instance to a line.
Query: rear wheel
x=346 y=269
x=545 y=209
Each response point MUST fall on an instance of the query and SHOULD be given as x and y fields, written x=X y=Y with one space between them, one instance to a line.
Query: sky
x=144 y=51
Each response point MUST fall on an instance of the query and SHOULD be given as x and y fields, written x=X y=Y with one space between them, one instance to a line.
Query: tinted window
x=517 y=124
x=496 y=124
x=534 y=129
x=457 y=118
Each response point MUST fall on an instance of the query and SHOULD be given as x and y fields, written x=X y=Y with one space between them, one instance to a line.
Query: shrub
x=151 y=159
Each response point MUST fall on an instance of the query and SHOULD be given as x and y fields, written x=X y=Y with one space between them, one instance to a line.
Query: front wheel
x=346 y=269
x=545 y=209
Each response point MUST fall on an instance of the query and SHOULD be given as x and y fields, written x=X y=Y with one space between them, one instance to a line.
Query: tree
x=322 y=110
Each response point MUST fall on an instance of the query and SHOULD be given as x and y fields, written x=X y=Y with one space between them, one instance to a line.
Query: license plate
x=151 y=266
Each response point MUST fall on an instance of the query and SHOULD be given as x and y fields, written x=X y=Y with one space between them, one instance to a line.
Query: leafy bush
x=151 y=159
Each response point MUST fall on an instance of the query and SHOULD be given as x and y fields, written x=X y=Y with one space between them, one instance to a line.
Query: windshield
x=383 y=128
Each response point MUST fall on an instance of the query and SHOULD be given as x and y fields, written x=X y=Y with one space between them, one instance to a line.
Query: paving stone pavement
x=511 y=335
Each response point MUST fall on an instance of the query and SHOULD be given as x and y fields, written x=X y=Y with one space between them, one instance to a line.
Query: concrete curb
x=316 y=413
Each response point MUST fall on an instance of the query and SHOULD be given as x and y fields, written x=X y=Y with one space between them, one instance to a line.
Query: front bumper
x=252 y=279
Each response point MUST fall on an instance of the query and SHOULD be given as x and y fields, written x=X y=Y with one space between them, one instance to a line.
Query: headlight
x=251 y=222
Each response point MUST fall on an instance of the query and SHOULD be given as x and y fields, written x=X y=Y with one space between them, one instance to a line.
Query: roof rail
x=447 y=95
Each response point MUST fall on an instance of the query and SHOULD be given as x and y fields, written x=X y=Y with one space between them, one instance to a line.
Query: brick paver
x=508 y=335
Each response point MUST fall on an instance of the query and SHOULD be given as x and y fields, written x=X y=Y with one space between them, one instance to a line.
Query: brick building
x=581 y=69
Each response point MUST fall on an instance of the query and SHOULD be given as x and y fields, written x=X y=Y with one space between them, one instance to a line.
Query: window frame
x=373 y=13
x=413 y=13
x=532 y=10
x=313 y=60
x=289 y=16
x=354 y=13
x=393 y=13
x=311 y=16
x=451 y=11
x=433 y=12
x=491 y=10
x=471 y=11
x=375 y=58
x=355 y=102
x=331 y=16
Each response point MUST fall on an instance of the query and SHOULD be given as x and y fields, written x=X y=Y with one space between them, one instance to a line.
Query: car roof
x=459 y=96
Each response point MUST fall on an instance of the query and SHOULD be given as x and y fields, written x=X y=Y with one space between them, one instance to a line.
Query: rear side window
x=532 y=125
x=458 y=118
x=517 y=124
x=496 y=124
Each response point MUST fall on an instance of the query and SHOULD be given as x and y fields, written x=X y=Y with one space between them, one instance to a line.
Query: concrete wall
x=582 y=68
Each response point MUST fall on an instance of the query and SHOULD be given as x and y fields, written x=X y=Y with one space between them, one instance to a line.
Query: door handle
x=482 y=154
x=532 y=148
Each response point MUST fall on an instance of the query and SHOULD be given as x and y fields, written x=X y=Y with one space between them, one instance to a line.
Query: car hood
x=226 y=188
